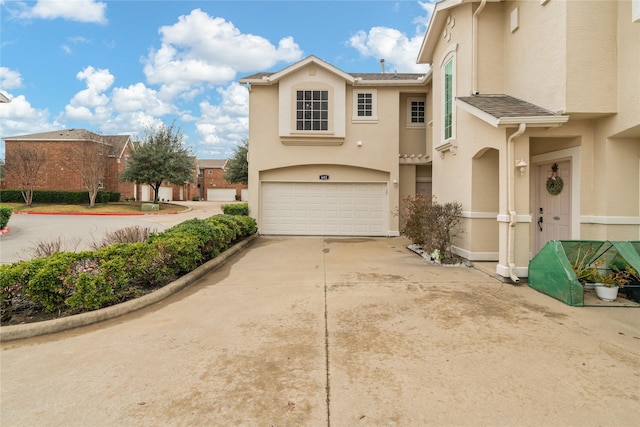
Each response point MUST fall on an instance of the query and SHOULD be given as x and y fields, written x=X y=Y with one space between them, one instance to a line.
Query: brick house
x=212 y=184
x=59 y=171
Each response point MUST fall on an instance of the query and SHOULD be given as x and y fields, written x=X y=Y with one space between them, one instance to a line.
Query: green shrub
x=46 y=286
x=59 y=197
x=75 y=282
x=5 y=215
x=230 y=222
x=138 y=265
x=90 y=292
x=11 y=196
x=179 y=252
x=204 y=233
x=236 y=209
x=13 y=281
x=248 y=225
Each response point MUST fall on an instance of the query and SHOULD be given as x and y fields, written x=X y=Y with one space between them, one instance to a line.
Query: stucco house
x=212 y=184
x=527 y=94
x=521 y=96
x=327 y=148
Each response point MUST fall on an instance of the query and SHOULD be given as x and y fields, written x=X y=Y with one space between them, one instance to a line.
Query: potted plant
x=608 y=282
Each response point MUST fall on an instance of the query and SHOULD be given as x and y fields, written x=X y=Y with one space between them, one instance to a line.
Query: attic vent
x=312 y=71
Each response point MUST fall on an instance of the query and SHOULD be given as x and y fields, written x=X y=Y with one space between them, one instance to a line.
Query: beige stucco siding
x=535 y=66
x=591 y=57
x=490 y=44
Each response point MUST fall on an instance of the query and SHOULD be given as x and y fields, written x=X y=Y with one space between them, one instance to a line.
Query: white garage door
x=324 y=209
x=221 y=194
x=166 y=194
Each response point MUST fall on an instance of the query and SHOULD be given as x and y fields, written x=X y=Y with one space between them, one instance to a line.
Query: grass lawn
x=103 y=208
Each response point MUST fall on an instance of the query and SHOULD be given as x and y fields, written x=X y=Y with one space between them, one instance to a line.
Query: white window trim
x=294 y=111
x=450 y=57
x=374 y=107
x=411 y=99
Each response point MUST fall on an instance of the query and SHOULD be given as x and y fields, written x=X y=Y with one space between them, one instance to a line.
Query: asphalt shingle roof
x=505 y=106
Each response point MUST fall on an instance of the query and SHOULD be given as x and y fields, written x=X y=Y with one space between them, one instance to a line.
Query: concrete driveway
x=335 y=332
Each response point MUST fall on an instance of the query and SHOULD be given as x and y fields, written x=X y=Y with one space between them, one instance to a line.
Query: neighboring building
x=58 y=172
x=324 y=149
x=516 y=90
x=521 y=88
x=212 y=184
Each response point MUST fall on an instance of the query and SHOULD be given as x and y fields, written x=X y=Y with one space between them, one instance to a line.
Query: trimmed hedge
x=5 y=215
x=70 y=282
x=59 y=197
x=236 y=209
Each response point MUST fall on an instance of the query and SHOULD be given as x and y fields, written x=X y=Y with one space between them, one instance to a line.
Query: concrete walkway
x=334 y=332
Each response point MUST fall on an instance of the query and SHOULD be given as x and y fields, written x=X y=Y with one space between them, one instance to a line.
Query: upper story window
x=449 y=89
x=416 y=109
x=365 y=105
x=200 y=173
x=312 y=110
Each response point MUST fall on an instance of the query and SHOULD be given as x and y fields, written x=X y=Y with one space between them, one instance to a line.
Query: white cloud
x=72 y=10
x=9 y=79
x=134 y=123
x=399 y=51
x=18 y=117
x=138 y=97
x=223 y=126
x=97 y=82
x=204 y=49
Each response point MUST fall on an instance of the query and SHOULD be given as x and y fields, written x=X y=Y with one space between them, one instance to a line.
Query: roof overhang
x=421 y=81
x=547 y=121
x=275 y=77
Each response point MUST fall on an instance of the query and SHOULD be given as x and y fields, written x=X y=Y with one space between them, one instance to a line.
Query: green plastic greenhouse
x=551 y=271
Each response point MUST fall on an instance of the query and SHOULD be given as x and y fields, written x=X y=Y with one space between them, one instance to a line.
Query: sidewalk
x=335 y=331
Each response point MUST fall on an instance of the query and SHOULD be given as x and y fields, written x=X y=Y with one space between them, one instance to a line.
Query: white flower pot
x=606 y=293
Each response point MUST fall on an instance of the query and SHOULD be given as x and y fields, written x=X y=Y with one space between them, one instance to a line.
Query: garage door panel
x=324 y=208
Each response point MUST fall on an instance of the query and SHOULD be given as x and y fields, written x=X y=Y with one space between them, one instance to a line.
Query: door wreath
x=554 y=181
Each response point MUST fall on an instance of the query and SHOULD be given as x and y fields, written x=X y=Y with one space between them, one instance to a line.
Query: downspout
x=511 y=194
x=474 y=55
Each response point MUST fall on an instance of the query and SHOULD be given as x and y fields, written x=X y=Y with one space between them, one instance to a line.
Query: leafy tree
x=237 y=170
x=161 y=157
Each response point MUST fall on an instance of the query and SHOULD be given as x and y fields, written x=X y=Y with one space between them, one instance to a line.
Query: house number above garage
x=324 y=177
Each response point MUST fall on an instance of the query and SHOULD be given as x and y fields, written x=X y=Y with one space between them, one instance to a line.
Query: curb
x=29 y=330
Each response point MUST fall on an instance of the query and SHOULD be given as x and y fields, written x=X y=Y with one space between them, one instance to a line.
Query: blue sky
x=121 y=67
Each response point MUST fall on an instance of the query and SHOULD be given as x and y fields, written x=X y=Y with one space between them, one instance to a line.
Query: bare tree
x=88 y=158
x=24 y=164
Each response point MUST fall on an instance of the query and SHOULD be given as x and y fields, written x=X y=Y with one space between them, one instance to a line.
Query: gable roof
x=116 y=143
x=3 y=98
x=505 y=110
x=434 y=29
x=58 y=135
x=356 y=79
x=212 y=163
